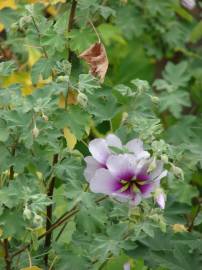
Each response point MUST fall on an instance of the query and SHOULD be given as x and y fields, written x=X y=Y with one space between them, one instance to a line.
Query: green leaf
x=174 y=102
x=6 y=68
x=42 y=68
x=88 y=83
x=196 y=33
x=175 y=76
x=75 y=118
x=80 y=40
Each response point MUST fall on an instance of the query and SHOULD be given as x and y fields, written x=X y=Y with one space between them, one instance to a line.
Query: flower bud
x=62 y=79
x=178 y=172
x=27 y=213
x=155 y=99
x=164 y=158
x=35 y=132
x=37 y=219
x=160 y=199
x=124 y=117
x=82 y=99
x=24 y=20
x=45 y=117
x=152 y=165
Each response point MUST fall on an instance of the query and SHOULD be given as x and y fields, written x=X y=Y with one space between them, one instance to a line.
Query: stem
x=49 y=214
x=7 y=257
x=70 y=24
x=95 y=30
x=191 y=226
x=39 y=35
x=11 y=172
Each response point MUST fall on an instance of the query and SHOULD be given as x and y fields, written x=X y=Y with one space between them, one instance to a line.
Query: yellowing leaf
x=1 y=27
x=8 y=4
x=31 y=268
x=52 y=10
x=52 y=2
x=179 y=228
x=1 y=232
x=71 y=99
x=34 y=55
x=39 y=231
x=22 y=78
x=70 y=138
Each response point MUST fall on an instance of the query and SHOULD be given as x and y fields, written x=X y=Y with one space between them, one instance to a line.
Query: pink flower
x=189 y=4
x=100 y=151
x=160 y=199
x=126 y=266
x=128 y=176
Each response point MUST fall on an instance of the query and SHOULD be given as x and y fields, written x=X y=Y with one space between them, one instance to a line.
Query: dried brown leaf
x=96 y=57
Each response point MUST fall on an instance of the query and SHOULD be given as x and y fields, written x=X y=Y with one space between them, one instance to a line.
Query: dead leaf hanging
x=96 y=57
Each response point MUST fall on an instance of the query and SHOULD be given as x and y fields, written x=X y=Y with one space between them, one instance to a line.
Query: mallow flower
x=101 y=149
x=128 y=176
x=189 y=4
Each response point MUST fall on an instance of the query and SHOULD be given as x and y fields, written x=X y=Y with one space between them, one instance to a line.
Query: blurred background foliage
x=153 y=90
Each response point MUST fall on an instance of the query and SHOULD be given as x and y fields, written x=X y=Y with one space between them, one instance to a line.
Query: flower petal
x=157 y=171
x=99 y=150
x=158 y=179
x=136 y=199
x=113 y=140
x=126 y=266
x=128 y=196
x=136 y=146
x=104 y=182
x=122 y=166
x=160 y=199
x=91 y=166
x=146 y=189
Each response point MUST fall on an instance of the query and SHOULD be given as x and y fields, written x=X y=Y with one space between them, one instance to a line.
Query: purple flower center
x=133 y=184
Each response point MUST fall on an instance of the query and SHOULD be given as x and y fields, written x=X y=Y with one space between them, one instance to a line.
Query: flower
x=189 y=4
x=126 y=266
x=100 y=150
x=127 y=176
x=160 y=199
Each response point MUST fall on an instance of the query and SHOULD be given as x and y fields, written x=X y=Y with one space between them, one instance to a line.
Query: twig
x=51 y=266
x=49 y=213
x=30 y=259
x=70 y=24
x=66 y=216
x=7 y=257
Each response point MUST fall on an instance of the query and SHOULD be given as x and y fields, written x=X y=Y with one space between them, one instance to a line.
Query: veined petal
x=136 y=146
x=91 y=166
x=113 y=140
x=122 y=166
x=99 y=150
x=104 y=182
x=158 y=179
